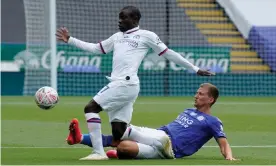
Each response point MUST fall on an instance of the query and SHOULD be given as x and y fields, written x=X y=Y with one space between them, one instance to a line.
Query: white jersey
x=129 y=49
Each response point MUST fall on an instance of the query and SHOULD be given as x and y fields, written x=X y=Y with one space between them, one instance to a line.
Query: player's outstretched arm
x=178 y=59
x=225 y=148
x=62 y=34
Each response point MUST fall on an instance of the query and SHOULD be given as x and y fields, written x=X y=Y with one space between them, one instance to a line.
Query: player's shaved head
x=212 y=91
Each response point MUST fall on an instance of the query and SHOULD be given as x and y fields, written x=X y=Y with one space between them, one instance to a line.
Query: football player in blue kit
x=184 y=136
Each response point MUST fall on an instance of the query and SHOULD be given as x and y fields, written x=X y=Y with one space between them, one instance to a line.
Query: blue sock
x=86 y=140
x=107 y=140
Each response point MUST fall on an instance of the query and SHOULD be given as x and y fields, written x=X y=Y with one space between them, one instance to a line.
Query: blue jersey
x=191 y=130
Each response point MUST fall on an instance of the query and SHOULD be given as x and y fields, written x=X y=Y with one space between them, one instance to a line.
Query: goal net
x=199 y=30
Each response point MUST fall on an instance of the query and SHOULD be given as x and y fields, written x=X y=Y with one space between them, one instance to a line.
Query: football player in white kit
x=129 y=47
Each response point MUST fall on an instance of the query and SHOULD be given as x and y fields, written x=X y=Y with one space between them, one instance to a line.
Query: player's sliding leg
x=129 y=150
x=147 y=136
x=126 y=149
x=151 y=137
x=144 y=135
x=106 y=139
x=93 y=120
x=75 y=135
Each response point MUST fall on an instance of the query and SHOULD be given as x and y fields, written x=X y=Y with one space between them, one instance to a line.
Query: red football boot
x=75 y=135
x=112 y=154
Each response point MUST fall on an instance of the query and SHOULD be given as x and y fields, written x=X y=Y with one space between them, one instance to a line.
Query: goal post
x=53 y=43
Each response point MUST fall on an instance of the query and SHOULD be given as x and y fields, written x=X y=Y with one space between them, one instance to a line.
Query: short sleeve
x=154 y=42
x=108 y=44
x=217 y=129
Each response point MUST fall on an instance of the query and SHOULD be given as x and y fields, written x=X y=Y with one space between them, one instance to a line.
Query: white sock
x=138 y=136
x=94 y=126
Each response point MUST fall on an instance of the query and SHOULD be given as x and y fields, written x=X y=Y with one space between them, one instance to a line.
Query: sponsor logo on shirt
x=131 y=43
x=184 y=121
x=200 y=118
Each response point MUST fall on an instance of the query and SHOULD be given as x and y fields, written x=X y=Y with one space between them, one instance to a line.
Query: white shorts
x=151 y=151
x=117 y=99
x=148 y=152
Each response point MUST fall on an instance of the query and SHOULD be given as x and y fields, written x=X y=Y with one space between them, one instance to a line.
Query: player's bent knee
x=87 y=108
x=92 y=107
x=127 y=150
x=118 y=130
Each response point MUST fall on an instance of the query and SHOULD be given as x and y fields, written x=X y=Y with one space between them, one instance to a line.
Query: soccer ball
x=46 y=97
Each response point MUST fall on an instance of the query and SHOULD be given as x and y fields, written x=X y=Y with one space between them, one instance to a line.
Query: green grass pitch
x=31 y=136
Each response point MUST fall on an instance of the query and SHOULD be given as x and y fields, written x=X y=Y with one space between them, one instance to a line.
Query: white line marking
x=36 y=147
x=148 y=103
x=246 y=146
